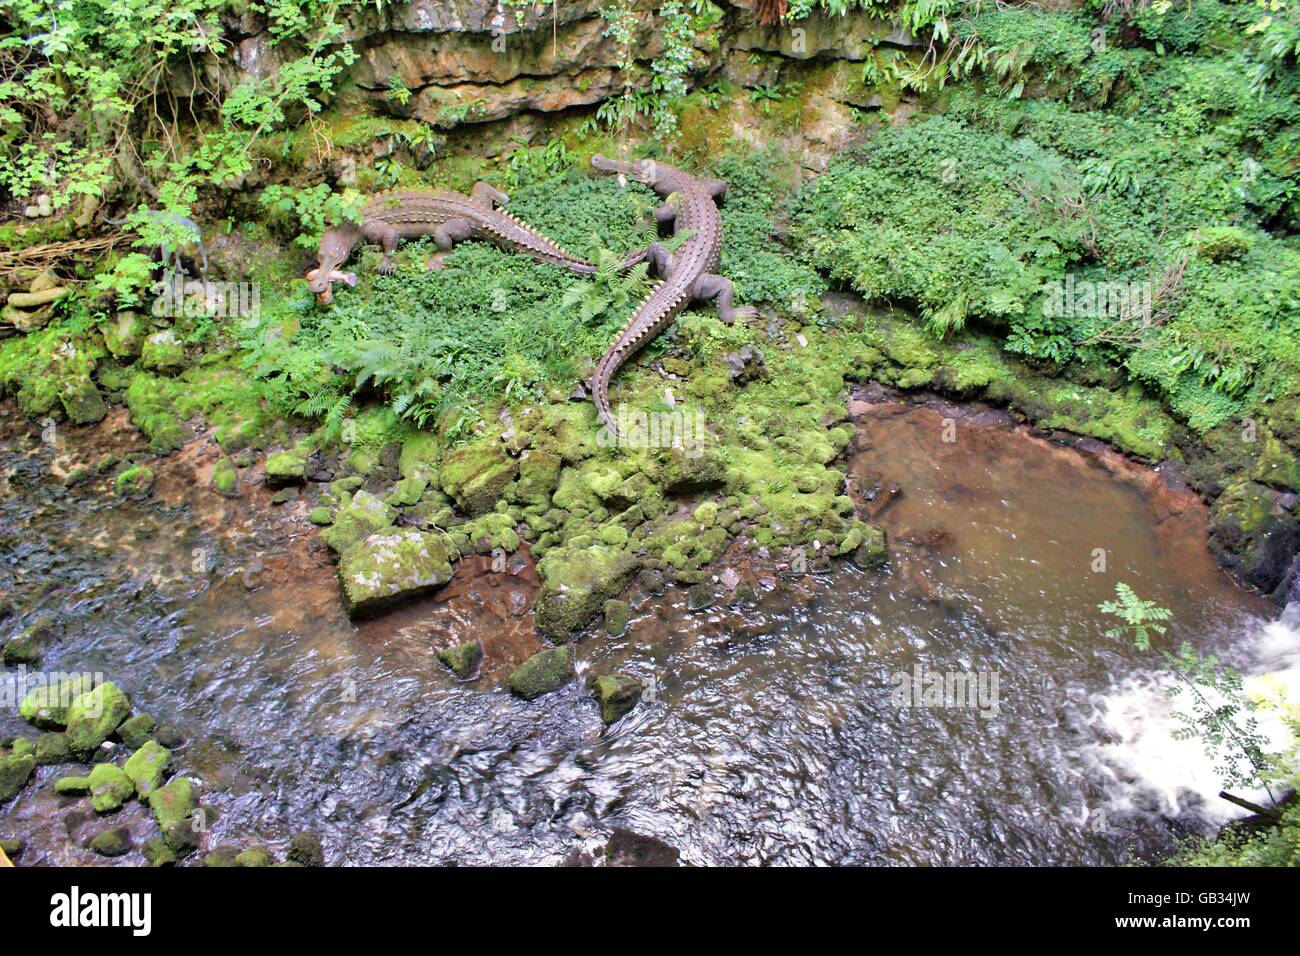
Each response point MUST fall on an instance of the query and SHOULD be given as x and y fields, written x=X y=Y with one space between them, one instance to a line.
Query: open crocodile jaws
x=689 y=274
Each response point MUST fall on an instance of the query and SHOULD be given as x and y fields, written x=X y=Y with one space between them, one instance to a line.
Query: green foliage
x=306 y=212
x=1141 y=618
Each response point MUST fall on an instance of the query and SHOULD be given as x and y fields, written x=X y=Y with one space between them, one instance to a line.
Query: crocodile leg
x=660 y=259
x=485 y=194
x=386 y=237
x=710 y=286
x=665 y=214
x=717 y=189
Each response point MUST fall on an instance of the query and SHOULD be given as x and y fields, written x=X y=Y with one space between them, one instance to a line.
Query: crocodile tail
x=600 y=390
x=634 y=259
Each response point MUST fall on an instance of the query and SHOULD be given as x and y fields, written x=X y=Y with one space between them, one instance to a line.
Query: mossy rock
x=539 y=476
x=576 y=583
x=15 y=771
x=30 y=643
x=134 y=481
x=111 y=843
x=1252 y=535
x=255 y=856
x=386 y=569
x=225 y=479
x=690 y=472
x=72 y=786
x=110 y=787
x=357 y=518
x=162 y=352
x=136 y=731
x=305 y=849
x=406 y=492
x=52 y=749
x=616 y=615
x=94 y=716
x=321 y=516
x=222 y=856
x=285 y=468
x=173 y=806
x=476 y=476
x=124 y=336
x=82 y=401
x=617 y=694
x=462 y=658
x=544 y=672
x=158 y=853
x=147 y=766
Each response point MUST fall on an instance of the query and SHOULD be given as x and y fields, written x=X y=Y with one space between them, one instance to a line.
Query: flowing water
x=782 y=731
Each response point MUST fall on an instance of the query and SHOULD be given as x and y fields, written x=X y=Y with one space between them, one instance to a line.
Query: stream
x=774 y=731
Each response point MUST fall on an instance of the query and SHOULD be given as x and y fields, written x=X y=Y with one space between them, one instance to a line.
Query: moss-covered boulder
x=616 y=615
x=173 y=806
x=285 y=468
x=255 y=856
x=30 y=643
x=52 y=749
x=542 y=673
x=94 y=716
x=305 y=849
x=359 y=516
x=158 y=853
x=135 y=731
x=477 y=476
x=462 y=658
x=136 y=480
x=406 y=492
x=225 y=479
x=147 y=767
x=81 y=400
x=14 y=772
x=110 y=787
x=539 y=476
x=617 y=694
x=110 y=843
x=576 y=583
x=124 y=336
x=72 y=786
x=47 y=706
x=162 y=352
x=1252 y=535
x=687 y=472
x=386 y=569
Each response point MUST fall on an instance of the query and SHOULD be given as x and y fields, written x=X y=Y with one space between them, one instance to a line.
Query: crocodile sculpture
x=449 y=217
x=689 y=274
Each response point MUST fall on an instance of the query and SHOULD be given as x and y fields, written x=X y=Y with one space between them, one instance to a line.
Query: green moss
x=162 y=352
x=14 y=773
x=94 y=716
x=357 y=518
x=52 y=749
x=110 y=787
x=576 y=582
x=147 y=766
x=544 y=672
x=172 y=806
x=72 y=786
x=463 y=659
x=617 y=694
x=616 y=615
x=476 y=476
x=285 y=468
x=134 y=481
x=136 y=731
x=385 y=569
x=224 y=477
x=111 y=843
x=256 y=856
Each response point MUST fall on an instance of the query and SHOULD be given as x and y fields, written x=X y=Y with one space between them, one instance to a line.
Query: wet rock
x=462 y=658
x=305 y=849
x=158 y=853
x=110 y=843
x=477 y=476
x=576 y=582
x=110 y=787
x=386 y=569
x=746 y=365
x=544 y=672
x=146 y=768
x=284 y=496
x=52 y=749
x=94 y=716
x=135 y=731
x=616 y=615
x=319 y=468
x=14 y=773
x=358 y=517
x=700 y=597
x=255 y=856
x=222 y=856
x=173 y=806
x=626 y=848
x=285 y=468
x=617 y=694
x=1252 y=535
x=30 y=643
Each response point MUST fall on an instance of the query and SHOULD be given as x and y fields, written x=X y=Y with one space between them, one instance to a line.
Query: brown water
x=773 y=735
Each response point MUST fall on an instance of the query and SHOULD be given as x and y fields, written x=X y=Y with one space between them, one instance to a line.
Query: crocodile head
x=335 y=247
x=644 y=171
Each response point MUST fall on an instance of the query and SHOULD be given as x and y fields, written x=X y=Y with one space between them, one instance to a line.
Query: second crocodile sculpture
x=689 y=274
x=390 y=217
